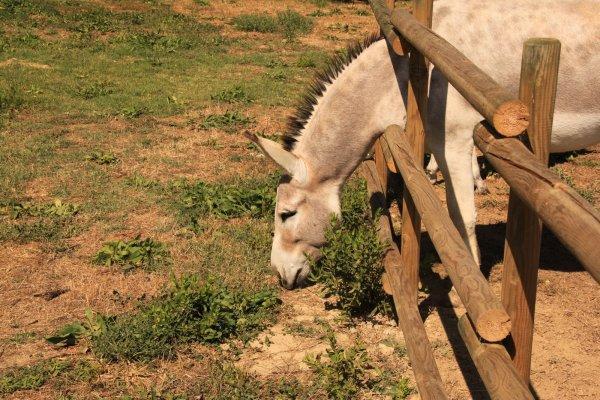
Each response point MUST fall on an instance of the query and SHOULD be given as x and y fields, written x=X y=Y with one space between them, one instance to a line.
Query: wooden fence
x=491 y=325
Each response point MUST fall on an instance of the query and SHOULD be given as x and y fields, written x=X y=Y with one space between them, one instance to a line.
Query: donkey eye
x=286 y=214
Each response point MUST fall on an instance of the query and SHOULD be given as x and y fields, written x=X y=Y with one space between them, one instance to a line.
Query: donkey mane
x=334 y=66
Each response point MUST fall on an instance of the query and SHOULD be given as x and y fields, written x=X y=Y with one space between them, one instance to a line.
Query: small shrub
x=293 y=24
x=137 y=253
x=346 y=371
x=352 y=261
x=262 y=23
x=229 y=121
x=102 y=158
x=237 y=94
x=187 y=312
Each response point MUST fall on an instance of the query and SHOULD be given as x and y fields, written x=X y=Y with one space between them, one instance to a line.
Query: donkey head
x=302 y=212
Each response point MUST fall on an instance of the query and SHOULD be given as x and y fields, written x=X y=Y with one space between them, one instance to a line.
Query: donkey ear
x=285 y=159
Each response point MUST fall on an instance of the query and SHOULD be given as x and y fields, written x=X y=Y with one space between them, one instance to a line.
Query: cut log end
x=511 y=118
x=493 y=325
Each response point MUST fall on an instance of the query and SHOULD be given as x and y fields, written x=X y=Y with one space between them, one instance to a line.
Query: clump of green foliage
x=236 y=94
x=290 y=23
x=102 y=158
x=16 y=209
x=28 y=221
x=34 y=376
x=293 y=24
x=229 y=121
x=253 y=198
x=146 y=253
x=140 y=181
x=187 y=312
x=352 y=260
x=94 y=89
x=348 y=372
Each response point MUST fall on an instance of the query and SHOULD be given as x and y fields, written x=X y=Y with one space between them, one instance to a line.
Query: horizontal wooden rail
x=423 y=363
x=508 y=115
x=572 y=219
x=490 y=318
x=494 y=365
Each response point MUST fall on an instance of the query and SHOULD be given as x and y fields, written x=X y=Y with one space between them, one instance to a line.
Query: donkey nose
x=289 y=281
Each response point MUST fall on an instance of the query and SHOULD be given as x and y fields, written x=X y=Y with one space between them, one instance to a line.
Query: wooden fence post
x=416 y=113
x=539 y=75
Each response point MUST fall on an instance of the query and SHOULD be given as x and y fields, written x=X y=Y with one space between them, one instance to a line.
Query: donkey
x=359 y=95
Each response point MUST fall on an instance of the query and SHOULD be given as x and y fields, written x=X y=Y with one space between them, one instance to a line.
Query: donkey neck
x=352 y=112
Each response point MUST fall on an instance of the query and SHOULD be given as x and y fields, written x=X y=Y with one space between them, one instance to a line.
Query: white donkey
x=361 y=94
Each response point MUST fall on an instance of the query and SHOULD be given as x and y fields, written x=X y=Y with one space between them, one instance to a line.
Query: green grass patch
x=102 y=158
x=230 y=121
x=352 y=262
x=34 y=376
x=348 y=372
x=244 y=198
x=289 y=23
x=262 y=23
x=236 y=94
x=187 y=312
x=147 y=254
x=17 y=210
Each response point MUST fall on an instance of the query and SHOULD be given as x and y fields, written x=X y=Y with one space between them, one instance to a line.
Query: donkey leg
x=432 y=169
x=455 y=161
x=480 y=186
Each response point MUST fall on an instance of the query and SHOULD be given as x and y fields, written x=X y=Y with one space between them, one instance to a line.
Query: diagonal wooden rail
x=490 y=318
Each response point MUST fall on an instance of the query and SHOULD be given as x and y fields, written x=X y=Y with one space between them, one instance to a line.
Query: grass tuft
x=102 y=158
x=236 y=94
x=352 y=260
x=262 y=23
x=188 y=312
x=293 y=24
x=146 y=253
x=229 y=121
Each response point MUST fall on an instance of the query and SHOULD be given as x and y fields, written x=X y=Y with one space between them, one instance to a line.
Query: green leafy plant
x=136 y=253
x=102 y=158
x=252 y=198
x=293 y=24
x=57 y=208
x=68 y=335
x=139 y=181
x=187 y=312
x=236 y=94
x=228 y=121
x=94 y=89
x=345 y=372
x=352 y=260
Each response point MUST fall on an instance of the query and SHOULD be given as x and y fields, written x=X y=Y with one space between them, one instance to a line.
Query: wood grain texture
x=427 y=376
x=416 y=117
x=381 y=10
x=509 y=116
x=574 y=221
x=494 y=365
x=491 y=320
x=539 y=76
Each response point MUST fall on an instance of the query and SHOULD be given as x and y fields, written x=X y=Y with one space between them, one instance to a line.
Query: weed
x=139 y=181
x=293 y=24
x=94 y=89
x=187 y=312
x=34 y=376
x=229 y=121
x=311 y=59
x=146 y=253
x=20 y=338
x=203 y=3
x=253 y=198
x=262 y=23
x=102 y=158
x=345 y=373
x=351 y=264
x=134 y=111
x=57 y=208
x=68 y=335
x=300 y=329
x=11 y=99
x=237 y=94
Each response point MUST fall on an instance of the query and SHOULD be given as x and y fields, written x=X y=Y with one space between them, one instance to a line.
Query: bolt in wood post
x=416 y=112
x=539 y=75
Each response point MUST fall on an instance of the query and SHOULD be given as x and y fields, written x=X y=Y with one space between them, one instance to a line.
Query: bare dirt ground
x=566 y=354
